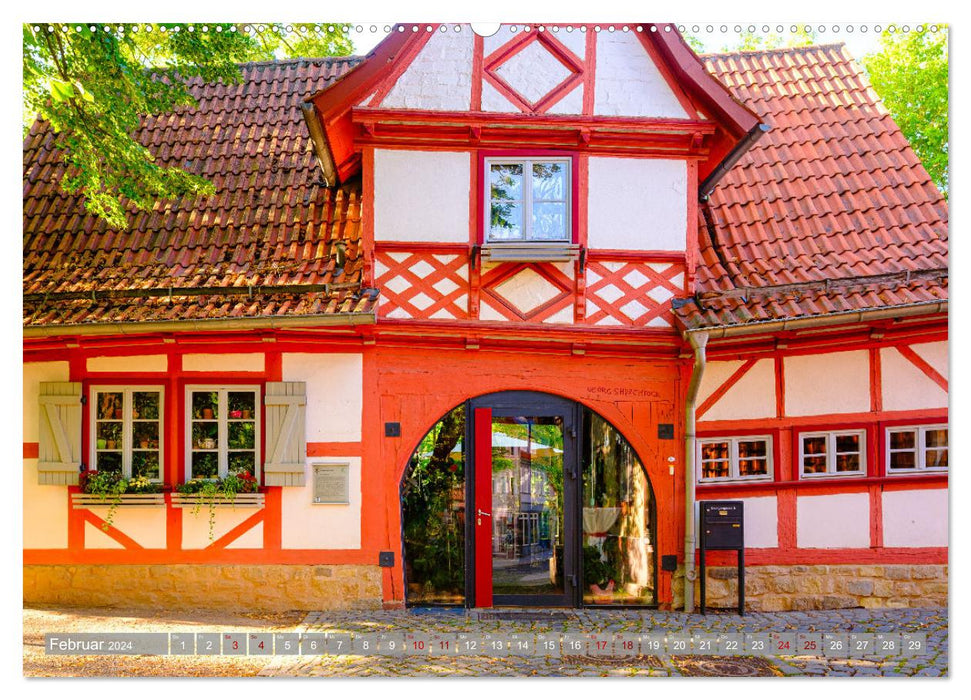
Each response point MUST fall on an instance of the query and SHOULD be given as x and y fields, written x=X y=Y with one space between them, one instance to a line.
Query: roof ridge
x=783 y=49
x=287 y=61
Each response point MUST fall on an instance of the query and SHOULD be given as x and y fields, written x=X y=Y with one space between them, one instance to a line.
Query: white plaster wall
x=440 y=77
x=229 y=362
x=421 y=196
x=131 y=363
x=832 y=522
x=45 y=511
x=905 y=386
x=637 y=204
x=195 y=528
x=34 y=374
x=935 y=354
x=627 y=82
x=494 y=101
x=916 y=518
x=144 y=525
x=576 y=41
x=332 y=526
x=752 y=396
x=836 y=382
x=761 y=521
x=572 y=103
x=335 y=393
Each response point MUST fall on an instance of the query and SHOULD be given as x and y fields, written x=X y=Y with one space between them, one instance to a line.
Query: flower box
x=195 y=500
x=92 y=500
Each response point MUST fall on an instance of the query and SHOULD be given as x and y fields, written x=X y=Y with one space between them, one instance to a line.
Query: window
x=529 y=200
x=223 y=426
x=916 y=448
x=735 y=458
x=839 y=453
x=126 y=431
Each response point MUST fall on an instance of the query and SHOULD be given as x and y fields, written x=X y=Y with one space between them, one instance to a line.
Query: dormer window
x=529 y=200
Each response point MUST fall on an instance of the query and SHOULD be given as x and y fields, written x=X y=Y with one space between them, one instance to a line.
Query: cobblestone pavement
x=932 y=622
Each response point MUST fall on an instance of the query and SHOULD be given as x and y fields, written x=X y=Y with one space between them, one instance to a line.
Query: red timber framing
x=787 y=485
x=352 y=119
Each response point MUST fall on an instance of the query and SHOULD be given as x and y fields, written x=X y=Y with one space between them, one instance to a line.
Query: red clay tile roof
x=832 y=191
x=271 y=230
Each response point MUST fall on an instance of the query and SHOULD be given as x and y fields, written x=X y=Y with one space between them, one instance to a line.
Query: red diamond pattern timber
x=536 y=293
x=632 y=293
x=420 y=285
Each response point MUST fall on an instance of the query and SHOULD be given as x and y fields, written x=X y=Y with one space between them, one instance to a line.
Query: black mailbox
x=722 y=525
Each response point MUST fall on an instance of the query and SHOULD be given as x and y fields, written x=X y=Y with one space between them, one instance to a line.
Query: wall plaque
x=331 y=483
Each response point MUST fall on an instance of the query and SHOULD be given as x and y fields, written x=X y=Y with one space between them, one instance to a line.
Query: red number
x=419 y=644
x=628 y=645
x=783 y=645
x=235 y=645
x=260 y=645
x=809 y=645
x=601 y=645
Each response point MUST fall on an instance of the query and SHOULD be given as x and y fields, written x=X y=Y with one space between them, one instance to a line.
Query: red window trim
x=870 y=450
x=772 y=433
x=882 y=428
x=480 y=182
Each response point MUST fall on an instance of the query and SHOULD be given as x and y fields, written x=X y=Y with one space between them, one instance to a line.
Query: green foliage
x=910 y=73
x=433 y=507
x=93 y=83
x=211 y=490
x=110 y=486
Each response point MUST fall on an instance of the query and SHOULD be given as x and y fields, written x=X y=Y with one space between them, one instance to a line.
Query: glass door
x=525 y=487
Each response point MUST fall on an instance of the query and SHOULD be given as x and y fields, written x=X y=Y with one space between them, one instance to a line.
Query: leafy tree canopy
x=909 y=72
x=93 y=82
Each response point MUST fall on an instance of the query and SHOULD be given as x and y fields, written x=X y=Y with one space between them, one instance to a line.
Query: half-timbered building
x=484 y=319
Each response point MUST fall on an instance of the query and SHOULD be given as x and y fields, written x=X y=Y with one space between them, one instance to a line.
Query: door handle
x=482 y=512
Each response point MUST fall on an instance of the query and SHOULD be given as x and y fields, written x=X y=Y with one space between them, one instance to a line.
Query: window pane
x=903 y=460
x=205 y=465
x=549 y=181
x=935 y=438
x=145 y=464
x=714 y=450
x=903 y=440
x=109 y=462
x=205 y=435
x=145 y=405
x=847 y=462
x=242 y=435
x=205 y=405
x=549 y=221
x=715 y=469
x=937 y=458
x=814 y=464
x=847 y=443
x=752 y=448
x=506 y=181
x=109 y=435
x=814 y=445
x=110 y=405
x=753 y=467
x=506 y=221
x=145 y=435
x=242 y=462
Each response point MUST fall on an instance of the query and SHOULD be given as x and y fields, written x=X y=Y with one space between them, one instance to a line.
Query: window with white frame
x=916 y=448
x=735 y=458
x=223 y=428
x=836 y=453
x=126 y=431
x=529 y=200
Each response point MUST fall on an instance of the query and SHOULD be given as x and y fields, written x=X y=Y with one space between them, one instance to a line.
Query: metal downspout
x=699 y=341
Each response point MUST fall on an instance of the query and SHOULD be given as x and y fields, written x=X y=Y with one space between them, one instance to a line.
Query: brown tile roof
x=270 y=230
x=832 y=191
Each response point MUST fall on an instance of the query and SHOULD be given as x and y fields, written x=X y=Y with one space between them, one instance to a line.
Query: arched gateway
x=524 y=498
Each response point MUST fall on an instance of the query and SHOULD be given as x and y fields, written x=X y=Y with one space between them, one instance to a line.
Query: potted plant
x=110 y=444
x=102 y=443
x=207 y=414
x=109 y=487
x=209 y=492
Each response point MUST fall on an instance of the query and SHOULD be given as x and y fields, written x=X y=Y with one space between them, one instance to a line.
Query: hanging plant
x=211 y=491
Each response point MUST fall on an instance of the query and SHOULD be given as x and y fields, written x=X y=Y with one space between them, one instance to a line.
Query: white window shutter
x=59 y=449
x=286 y=433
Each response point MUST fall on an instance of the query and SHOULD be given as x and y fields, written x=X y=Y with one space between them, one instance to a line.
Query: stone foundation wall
x=819 y=587
x=264 y=588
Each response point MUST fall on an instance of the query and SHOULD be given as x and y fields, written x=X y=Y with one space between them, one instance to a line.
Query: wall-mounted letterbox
x=722 y=525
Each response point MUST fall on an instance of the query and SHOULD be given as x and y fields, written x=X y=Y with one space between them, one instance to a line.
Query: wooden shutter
x=286 y=433
x=59 y=451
